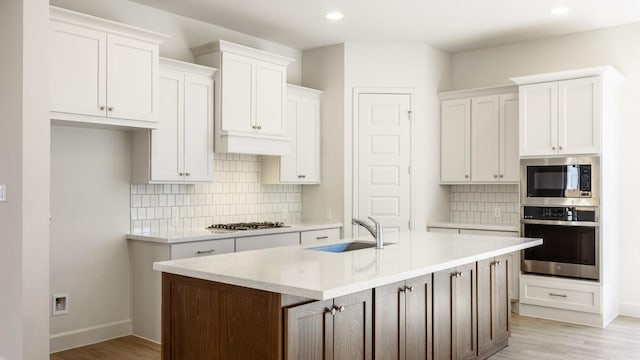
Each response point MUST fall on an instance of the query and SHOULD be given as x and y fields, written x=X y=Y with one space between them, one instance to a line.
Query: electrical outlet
x=496 y=212
x=3 y=192
x=60 y=304
x=174 y=219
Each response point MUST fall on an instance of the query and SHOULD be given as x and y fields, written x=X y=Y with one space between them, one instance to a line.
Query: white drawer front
x=561 y=294
x=310 y=237
x=267 y=241
x=488 y=232
x=444 y=230
x=202 y=248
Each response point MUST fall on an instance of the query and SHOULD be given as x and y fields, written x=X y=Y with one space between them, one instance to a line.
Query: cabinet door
x=390 y=325
x=442 y=338
x=509 y=158
x=353 y=326
x=485 y=142
x=538 y=119
x=308 y=142
x=132 y=79
x=271 y=92
x=198 y=128
x=309 y=331
x=579 y=116
x=238 y=93
x=289 y=163
x=267 y=241
x=455 y=141
x=167 y=159
x=419 y=318
x=464 y=313
x=494 y=304
x=78 y=70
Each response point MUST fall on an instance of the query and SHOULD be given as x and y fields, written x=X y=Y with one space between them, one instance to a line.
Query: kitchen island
x=300 y=303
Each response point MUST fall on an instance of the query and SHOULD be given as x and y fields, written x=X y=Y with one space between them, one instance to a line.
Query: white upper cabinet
x=103 y=72
x=560 y=117
x=250 y=96
x=455 y=140
x=180 y=150
x=303 y=123
x=479 y=142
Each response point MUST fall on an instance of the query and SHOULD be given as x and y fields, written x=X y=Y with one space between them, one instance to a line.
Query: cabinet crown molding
x=490 y=90
x=79 y=19
x=226 y=46
x=566 y=75
x=171 y=64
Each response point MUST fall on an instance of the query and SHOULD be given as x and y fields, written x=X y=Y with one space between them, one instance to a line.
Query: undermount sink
x=343 y=247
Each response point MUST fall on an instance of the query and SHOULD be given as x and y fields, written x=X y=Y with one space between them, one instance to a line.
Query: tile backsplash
x=235 y=195
x=478 y=204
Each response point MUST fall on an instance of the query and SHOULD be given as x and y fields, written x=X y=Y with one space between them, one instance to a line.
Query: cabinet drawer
x=201 y=248
x=310 y=237
x=560 y=293
x=444 y=230
x=267 y=241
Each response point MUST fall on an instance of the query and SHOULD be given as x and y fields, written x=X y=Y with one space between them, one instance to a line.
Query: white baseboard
x=628 y=309
x=90 y=335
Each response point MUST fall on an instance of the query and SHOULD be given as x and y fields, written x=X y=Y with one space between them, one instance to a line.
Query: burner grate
x=248 y=226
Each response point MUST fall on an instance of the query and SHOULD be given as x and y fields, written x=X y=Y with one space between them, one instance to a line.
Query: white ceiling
x=450 y=25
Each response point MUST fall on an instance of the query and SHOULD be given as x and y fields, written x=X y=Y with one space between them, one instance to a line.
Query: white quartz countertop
x=173 y=237
x=475 y=226
x=299 y=271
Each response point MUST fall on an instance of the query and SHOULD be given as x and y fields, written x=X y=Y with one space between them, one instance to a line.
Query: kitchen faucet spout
x=375 y=230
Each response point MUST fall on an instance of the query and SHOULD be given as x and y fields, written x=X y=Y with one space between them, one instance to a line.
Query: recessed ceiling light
x=334 y=15
x=559 y=10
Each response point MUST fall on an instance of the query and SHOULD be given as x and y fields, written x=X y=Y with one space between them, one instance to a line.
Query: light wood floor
x=531 y=339
x=536 y=339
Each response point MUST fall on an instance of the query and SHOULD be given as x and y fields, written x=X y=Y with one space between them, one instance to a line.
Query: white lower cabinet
x=267 y=241
x=202 y=248
x=311 y=237
x=180 y=150
x=567 y=294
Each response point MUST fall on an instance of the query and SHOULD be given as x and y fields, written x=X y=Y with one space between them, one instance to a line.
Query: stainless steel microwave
x=569 y=181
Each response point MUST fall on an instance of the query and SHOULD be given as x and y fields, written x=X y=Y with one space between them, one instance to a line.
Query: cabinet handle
x=457 y=274
x=340 y=308
x=303 y=176
x=558 y=295
x=200 y=252
x=496 y=263
x=332 y=311
x=559 y=147
x=181 y=174
x=553 y=148
x=466 y=176
x=102 y=107
x=259 y=127
x=410 y=288
x=110 y=108
x=322 y=237
x=188 y=174
x=254 y=127
x=501 y=176
x=495 y=176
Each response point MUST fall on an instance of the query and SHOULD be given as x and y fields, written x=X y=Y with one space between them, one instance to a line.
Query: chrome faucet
x=375 y=230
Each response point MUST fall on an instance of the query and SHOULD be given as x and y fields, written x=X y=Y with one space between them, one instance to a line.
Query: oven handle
x=562 y=223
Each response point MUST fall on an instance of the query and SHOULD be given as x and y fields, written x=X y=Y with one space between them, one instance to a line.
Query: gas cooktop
x=248 y=226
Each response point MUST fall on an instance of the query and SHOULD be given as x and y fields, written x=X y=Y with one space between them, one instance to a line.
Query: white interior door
x=383 y=161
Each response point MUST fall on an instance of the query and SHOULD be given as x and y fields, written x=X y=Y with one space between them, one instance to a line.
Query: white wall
x=90 y=183
x=425 y=70
x=323 y=68
x=614 y=46
x=24 y=168
x=185 y=32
